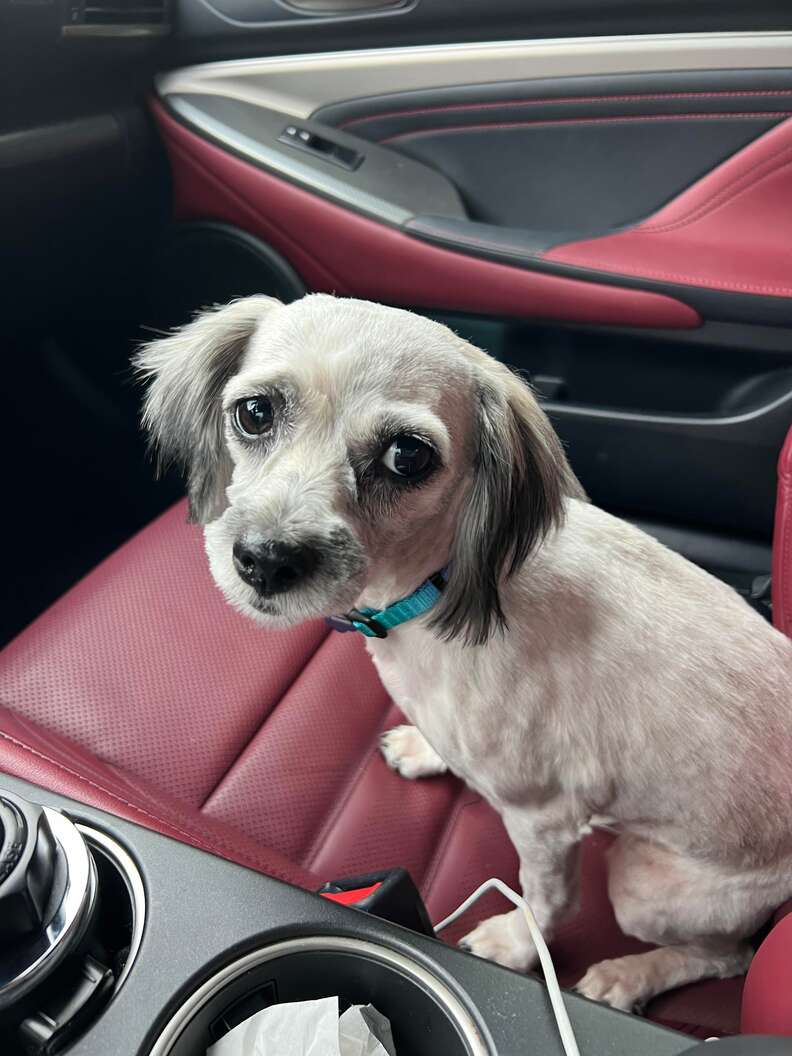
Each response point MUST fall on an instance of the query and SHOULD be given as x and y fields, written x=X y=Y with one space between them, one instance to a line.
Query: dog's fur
x=575 y=669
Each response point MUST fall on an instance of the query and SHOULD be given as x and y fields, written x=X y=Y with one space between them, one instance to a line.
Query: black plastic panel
x=199 y=264
x=80 y=205
x=659 y=426
x=587 y=178
x=247 y=27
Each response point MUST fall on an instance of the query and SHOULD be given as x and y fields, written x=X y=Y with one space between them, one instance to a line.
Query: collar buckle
x=356 y=616
x=348 y=620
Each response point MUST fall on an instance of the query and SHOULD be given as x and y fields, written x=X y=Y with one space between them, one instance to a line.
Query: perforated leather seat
x=143 y=693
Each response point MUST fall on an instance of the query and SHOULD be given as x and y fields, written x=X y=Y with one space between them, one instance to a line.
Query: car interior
x=195 y=820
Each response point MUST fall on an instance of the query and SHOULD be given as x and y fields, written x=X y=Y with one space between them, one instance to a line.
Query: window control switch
x=320 y=147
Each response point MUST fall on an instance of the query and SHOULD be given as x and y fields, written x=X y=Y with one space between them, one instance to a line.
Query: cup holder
x=426 y=1016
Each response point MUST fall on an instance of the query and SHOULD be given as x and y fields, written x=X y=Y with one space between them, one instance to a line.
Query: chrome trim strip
x=445 y=997
x=693 y=423
x=299 y=84
x=134 y=884
x=68 y=923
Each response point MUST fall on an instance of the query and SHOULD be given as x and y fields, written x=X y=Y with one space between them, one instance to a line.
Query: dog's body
x=632 y=687
x=574 y=668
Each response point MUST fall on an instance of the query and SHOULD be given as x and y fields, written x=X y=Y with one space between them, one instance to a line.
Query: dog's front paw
x=408 y=753
x=618 y=983
x=504 y=939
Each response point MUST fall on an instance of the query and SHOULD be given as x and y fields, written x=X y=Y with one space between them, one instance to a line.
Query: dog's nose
x=272 y=567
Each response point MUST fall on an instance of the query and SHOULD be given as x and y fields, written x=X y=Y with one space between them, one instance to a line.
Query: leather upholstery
x=729 y=231
x=44 y=758
x=143 y=693
x=782 y=543
x=337 y=250
x=767 y=997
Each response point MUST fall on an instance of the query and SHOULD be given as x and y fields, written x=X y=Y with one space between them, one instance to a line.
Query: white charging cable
x=546 y=961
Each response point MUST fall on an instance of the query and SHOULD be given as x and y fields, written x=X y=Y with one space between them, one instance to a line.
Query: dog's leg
x=629 y=982
x=407 y=751
x=700 y=913
x=547 y=843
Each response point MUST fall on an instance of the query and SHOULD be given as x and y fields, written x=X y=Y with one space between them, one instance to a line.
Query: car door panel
x=551 y=176
x=540 y=165
x=339 y=250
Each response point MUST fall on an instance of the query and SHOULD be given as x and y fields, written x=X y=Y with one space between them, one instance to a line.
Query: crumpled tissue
x=309 y=1028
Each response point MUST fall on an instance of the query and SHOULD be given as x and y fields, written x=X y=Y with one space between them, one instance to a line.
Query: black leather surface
x=577 y=175
x=711 y=91
x=584 y=154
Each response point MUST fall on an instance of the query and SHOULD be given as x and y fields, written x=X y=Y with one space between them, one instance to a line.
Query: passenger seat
x=143 y=693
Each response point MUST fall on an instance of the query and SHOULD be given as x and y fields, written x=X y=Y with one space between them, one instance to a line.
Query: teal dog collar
x=375 y=623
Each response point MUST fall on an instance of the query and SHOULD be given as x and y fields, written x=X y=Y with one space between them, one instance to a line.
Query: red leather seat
x=767 y=996
x=143 y=693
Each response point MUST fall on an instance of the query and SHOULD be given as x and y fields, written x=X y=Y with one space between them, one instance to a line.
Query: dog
x=572 y=670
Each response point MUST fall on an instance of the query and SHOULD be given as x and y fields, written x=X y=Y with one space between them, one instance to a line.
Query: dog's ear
x=520 y=479
x=182 y=412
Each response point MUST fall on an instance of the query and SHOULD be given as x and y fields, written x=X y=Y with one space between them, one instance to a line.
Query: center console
x=117 y=941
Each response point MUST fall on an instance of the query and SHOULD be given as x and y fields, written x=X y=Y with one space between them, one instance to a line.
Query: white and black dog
x=340 y=454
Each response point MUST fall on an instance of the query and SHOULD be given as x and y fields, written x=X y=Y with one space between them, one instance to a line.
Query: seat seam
x=343 y=798
x=704 y=281
x=552 y=101
x=569 y=121
x=786 y=555
x=431 y=873
x=747 y=180
x=189 y=837
x=260 y=726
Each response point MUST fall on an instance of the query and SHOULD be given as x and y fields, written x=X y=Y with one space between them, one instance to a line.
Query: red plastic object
x=350 y=898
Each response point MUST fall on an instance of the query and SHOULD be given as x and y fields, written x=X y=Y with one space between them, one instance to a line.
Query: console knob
x=27 y=867
x=47 y=895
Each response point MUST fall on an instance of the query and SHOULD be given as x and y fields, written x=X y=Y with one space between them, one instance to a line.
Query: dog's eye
x=408 y=457
x=253 y=416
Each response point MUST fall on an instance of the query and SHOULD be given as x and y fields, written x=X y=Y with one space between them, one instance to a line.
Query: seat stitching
x=786 y=559
x=189 y=836
x=343 y=798
x=433 y=870
x=259 y=726
x=551 y=101
x=749 y=179
x=571 y=121
x=706 y=281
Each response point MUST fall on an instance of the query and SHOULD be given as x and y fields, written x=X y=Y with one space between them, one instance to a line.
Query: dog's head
x=340 y=452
